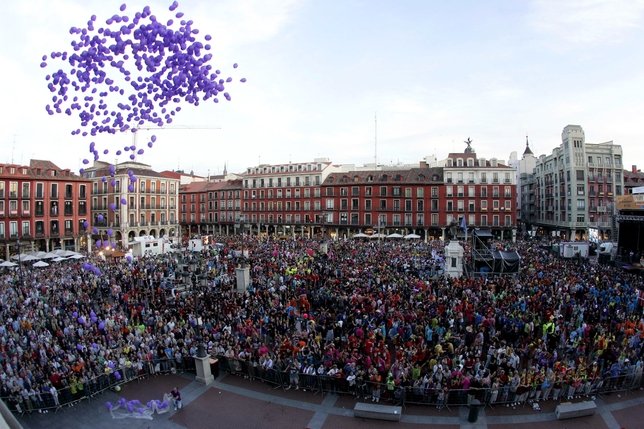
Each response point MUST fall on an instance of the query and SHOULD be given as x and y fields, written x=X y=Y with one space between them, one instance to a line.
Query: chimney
x=633 y=168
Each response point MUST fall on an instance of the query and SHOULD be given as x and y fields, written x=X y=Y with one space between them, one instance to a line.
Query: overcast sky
x=434 y=73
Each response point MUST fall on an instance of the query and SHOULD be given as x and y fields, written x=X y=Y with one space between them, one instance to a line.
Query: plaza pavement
x=234 y=402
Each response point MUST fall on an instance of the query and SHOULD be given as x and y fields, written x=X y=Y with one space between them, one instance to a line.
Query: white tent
x=76 y=256
x=395 y=235
x=7 y=264
x=38 y=255
x=411 y=236
x=49 y=255
x=24 y=257
x=41 y=264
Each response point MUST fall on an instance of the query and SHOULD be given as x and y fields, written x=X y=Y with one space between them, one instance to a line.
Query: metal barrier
x=77 y=391
x=446 y=397
x=439 y=397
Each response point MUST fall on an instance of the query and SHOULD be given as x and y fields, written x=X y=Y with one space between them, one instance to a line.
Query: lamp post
x=19 y=262
x=242 y=231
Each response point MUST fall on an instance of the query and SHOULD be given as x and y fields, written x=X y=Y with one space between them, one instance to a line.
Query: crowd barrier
x=323 y=384
x=440 y=398
x=75 y=392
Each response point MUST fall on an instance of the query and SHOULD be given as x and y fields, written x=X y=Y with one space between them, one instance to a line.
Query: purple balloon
x=110 y=232
x=85 y=224
x=100 y=218
x=94 y=230
x=101 y=325
x=159 y=64
x=98 y=243
x=124 y=201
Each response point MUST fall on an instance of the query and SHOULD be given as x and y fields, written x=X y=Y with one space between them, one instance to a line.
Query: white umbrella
x=377 y=235
x=24 y=258
x=59 y=252
x=395 y=235
x=8 y=264
x=69 y=253
x=58 y=259
x=76 y=256
x=411 y=236
x=41 y=264
x=360 y=235
x=49 y=255
x=37 y=254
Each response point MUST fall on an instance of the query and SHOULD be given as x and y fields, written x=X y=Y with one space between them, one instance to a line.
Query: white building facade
x=575 y=187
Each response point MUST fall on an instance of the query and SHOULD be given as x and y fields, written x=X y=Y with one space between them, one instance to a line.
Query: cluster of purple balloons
x=92 y=269
x=135 y=70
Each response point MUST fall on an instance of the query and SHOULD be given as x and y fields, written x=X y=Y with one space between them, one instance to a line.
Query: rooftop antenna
x=375 y=140
x=13 y=147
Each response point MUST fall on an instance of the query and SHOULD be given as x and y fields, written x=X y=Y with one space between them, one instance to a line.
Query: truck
x=195 y=245
x=606 y=252
x=147 y=246
x=573 y=249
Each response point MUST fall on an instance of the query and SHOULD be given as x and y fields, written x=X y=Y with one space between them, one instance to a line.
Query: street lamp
x=19 y=263
x=242 y=226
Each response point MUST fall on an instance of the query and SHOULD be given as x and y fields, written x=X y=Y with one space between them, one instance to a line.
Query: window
x=434 y=219
x=1 y=189
x=483 y=205
x=367 y=204
x=54 y=190
x=13 y=189
x=383 y=204
x=471 y=191
x=420 y=192
x=25 y=189
x=508 y=204
x=449 y=191
x=330 y=203
x=495 y=192
x=450 y=206
x=483 y=191
x=434 y=192
x=396 y=191
x=25 y=207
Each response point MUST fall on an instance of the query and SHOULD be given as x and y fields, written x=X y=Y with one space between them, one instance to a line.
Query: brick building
x=42 y=207
x=130 y=199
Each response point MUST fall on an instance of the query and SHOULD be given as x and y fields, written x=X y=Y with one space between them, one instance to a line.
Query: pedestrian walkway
x=233 y=402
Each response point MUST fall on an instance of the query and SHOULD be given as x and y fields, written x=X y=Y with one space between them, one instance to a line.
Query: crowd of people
x=378 y=315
